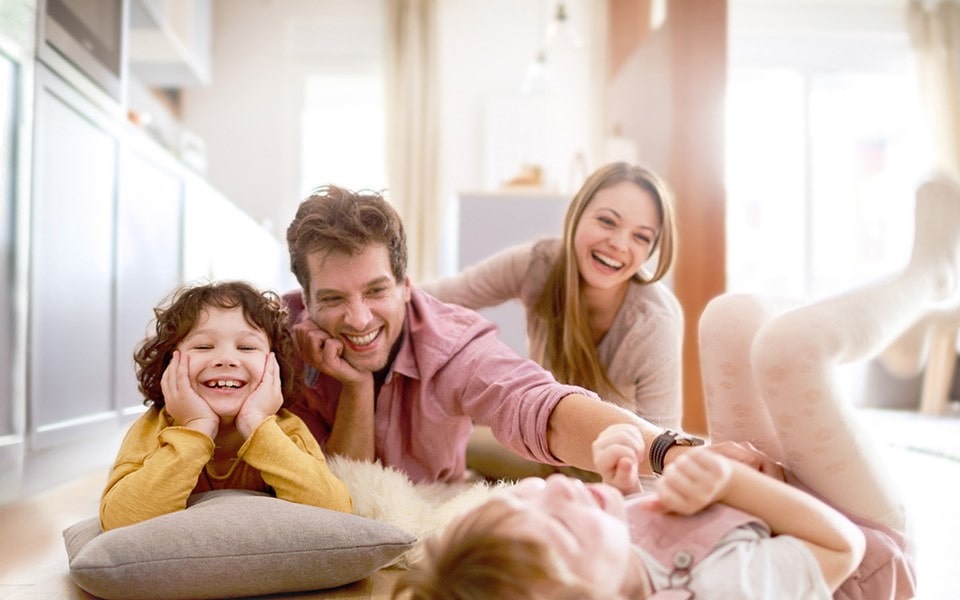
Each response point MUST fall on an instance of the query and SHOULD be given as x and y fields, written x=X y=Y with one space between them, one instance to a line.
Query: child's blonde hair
x=476 y=557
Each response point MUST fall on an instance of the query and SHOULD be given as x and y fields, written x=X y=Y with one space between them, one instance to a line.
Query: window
x=822 y=169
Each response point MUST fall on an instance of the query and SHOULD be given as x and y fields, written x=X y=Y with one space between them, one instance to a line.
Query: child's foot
x=936 y=244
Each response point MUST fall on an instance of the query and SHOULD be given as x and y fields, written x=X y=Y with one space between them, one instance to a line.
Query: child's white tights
x=769 y=366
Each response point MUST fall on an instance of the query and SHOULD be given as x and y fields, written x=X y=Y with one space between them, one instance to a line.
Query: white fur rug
x=385 y=494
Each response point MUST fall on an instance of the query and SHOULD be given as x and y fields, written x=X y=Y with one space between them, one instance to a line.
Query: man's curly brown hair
x=335 y=219
x=178 y=314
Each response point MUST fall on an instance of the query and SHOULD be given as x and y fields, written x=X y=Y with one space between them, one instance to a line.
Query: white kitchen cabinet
x=94 y=216
x=7 y=169
x=17 y=43
x=71 y=265
x=148 y=265
x=170 y=42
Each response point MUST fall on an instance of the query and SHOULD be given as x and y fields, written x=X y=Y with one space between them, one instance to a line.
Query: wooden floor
x=924 y=455
x=33 y=562
x=32 y=558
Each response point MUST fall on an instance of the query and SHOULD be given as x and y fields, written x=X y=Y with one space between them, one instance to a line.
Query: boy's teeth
x=220 y=383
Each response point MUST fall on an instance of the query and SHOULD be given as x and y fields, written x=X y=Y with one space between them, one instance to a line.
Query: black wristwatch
x=666 y=440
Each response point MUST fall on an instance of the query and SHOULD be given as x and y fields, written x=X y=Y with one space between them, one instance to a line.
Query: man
x=393 y=374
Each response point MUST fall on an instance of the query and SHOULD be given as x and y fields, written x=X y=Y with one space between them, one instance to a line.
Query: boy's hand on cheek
x=265 y=399
x=183 y=403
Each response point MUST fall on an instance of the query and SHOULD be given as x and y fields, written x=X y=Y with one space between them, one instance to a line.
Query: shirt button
x=682 y=560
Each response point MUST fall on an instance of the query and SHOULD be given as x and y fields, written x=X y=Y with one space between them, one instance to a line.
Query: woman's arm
x=490 y=282
x=700 y=477
x=649 y=353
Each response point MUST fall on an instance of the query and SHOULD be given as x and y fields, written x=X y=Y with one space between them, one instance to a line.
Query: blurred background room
x=147 y=143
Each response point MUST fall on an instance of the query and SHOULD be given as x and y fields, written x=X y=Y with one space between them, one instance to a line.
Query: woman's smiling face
x=616 y=234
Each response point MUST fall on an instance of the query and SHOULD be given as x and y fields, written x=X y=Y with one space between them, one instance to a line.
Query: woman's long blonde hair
x=560 y=319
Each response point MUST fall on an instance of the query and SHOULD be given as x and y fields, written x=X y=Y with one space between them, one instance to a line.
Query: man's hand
x=265 y=399
x=617 y=454
x=693 y=481
x=182 y=402
x=325 y=353
x=749 y=455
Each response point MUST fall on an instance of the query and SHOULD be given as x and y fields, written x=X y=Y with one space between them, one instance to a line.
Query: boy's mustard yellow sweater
x=159 y=465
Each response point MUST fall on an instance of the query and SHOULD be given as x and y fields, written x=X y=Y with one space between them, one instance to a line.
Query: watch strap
x=663 y=442
x=658 y=450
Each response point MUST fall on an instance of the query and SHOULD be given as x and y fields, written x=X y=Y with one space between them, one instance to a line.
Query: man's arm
x=352 y=432
x=576 y=422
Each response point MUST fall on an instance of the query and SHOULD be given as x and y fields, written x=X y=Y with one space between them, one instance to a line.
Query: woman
x=595 y=317
x=716 y=528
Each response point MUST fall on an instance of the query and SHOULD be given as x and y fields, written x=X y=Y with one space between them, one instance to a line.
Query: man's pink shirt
x=451 y=371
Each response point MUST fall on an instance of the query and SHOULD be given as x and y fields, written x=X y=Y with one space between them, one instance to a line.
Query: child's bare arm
x=700 y=477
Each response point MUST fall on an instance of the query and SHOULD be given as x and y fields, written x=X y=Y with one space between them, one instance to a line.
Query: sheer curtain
x=935 y=35
x=413 y=123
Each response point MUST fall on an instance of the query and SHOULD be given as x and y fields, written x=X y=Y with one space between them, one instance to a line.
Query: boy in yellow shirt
x=214 y=375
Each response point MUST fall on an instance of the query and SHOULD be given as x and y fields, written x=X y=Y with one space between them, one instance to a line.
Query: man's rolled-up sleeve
x=512 y=395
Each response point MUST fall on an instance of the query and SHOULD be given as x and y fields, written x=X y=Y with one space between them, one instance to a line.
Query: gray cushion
x=231 y=543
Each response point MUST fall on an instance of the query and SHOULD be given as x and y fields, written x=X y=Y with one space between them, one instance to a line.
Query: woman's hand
x=265 y=399
x=182 y=402
x=325 y=353
x=617 y=453
x=695 y=480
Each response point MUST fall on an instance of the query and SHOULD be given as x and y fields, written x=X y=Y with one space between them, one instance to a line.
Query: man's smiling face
x=357 y=300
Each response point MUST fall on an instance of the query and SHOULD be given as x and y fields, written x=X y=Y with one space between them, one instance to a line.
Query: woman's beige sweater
x=641 y=351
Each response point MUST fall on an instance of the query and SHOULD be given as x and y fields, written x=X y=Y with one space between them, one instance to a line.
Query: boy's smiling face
x=226 y=358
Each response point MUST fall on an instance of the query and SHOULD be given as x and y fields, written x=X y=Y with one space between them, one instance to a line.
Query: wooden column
x=629 y=25
x=698 y=30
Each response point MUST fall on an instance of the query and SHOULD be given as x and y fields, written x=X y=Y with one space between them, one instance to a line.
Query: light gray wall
x=249 y=115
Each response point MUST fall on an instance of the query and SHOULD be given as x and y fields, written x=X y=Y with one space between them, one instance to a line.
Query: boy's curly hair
x=178 y=314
